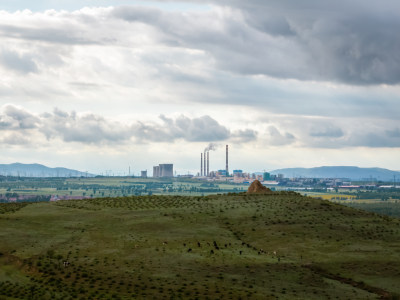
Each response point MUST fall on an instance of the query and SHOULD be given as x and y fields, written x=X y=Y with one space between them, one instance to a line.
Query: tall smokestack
x=205 y=164
x=201 y=164
x=227 y=166
x=208 y=163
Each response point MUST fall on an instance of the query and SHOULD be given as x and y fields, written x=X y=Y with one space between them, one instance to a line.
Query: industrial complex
x=236 y=176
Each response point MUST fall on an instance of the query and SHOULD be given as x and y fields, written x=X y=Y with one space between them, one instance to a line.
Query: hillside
x=37 y=170
x=353 y=173
x=260 y=246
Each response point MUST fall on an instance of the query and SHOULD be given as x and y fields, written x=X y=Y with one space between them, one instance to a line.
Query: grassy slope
x=139 y=247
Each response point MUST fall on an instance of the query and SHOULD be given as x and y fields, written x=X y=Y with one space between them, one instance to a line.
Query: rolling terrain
x=38 y=170
x=279 y=245
x=352 y=173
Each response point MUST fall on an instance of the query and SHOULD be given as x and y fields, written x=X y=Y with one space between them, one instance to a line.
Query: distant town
x=272 y=180
x=330 y=183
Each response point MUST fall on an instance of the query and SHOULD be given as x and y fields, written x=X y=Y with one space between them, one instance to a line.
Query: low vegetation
x=265 y=246
x=384 y=208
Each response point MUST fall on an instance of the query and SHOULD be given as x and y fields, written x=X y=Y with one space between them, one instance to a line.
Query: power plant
x=205 y=162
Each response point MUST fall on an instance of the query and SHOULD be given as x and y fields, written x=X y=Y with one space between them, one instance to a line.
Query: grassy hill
x=223 y=246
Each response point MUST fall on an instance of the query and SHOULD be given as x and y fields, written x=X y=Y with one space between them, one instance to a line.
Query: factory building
x=156 y=171
x=163 y=170
x=266 y=176
x=222 y=173
x=166 y=170
x=238 y=173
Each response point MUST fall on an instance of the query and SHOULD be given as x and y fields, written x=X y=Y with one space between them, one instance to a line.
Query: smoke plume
x=211 y=147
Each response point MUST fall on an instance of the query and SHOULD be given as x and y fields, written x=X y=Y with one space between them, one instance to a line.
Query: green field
x=235 y=246
x=113 y=187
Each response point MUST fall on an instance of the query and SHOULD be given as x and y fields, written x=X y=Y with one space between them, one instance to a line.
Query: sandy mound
x=257 y=188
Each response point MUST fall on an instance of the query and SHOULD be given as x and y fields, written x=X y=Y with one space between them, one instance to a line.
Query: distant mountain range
x=353 y=173
x=37 y=170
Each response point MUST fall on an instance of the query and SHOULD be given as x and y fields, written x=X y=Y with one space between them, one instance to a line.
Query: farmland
x=110 y=187
x=282 y=245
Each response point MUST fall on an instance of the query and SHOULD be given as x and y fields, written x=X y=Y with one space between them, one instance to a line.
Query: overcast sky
x=103 y=85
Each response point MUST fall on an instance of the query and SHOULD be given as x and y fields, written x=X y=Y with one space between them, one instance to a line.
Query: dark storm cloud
x=347 y=41
x=354 y=42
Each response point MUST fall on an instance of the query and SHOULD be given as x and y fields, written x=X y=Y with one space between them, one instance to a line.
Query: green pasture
x=237 y=246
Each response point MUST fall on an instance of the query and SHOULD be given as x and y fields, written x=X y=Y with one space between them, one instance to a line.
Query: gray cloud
x=349 y=42
x=277 y=138
x=244 y=136
x=201 y=129
x=211 y=56
x=19 y=126
x=362 y=133
x=372 y=140
x=395 y=133
x=95 y=129
x=22 y=63
x=15 y=118
x=328 y=131
x=90 y=128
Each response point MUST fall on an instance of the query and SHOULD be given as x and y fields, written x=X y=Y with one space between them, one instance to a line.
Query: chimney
x=205 y=164
x=208 y=163
x=226 y=166
x=201 y=164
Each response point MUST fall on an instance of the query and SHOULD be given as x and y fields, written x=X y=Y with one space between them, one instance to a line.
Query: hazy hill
x=353 y=173
x=37 y=170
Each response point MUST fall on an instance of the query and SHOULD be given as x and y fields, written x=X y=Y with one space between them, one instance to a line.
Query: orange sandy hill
x=257 y=188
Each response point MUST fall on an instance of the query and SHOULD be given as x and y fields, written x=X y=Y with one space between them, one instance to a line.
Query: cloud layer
x=257 y=74
x=294 y=58
x=87 y=128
